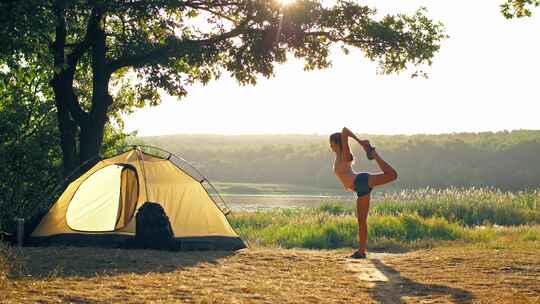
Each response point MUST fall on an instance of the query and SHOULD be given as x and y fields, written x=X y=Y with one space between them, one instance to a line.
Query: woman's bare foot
x=358 y=255
x=368 y=148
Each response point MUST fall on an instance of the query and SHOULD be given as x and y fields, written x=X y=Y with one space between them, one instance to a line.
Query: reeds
x=404 y=219
x=467 y=206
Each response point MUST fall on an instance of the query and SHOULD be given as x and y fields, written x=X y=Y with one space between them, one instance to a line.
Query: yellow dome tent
x=99 y=206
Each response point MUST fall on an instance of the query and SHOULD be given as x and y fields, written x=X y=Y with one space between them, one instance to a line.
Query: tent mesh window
x=129 y=195
x=105 y=201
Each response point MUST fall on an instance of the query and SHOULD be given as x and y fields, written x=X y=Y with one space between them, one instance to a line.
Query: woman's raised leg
x=388 y=174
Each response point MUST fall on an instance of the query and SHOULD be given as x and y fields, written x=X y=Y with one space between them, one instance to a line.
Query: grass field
x=318 y=230
x=406 y=220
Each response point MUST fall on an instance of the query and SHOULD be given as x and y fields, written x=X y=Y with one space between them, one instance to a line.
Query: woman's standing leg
x=362 y=209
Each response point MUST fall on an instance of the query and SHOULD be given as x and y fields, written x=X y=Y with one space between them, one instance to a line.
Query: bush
x=8 y=263
x=30 y=152
x=334 y=209
x=316 y=229
x=328 y=235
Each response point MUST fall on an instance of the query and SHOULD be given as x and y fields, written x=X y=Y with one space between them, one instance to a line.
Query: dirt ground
x=442 y=275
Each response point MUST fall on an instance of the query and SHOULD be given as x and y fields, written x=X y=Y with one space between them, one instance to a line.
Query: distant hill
x=506 y=160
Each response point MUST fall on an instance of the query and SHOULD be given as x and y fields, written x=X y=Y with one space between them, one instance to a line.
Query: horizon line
x=326 y=134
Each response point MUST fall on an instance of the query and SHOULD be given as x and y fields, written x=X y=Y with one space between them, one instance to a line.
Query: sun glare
x=285 y=2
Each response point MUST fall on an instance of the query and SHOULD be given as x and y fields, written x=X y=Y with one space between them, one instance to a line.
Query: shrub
x=320 y=230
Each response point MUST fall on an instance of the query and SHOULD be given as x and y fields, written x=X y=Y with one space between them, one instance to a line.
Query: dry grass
x=442 y=275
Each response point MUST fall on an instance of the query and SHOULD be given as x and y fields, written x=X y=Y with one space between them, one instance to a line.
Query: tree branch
x=175 y=45
x=211 y=11
x=64 y=78
x=329 y=36
x=83 y=46
x=73 y=105
x=144 y=4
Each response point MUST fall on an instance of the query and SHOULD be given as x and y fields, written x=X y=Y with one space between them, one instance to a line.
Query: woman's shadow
x=397 y=287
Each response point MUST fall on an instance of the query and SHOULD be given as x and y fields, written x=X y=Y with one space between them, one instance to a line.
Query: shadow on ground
x=44 y=262
x=398 y=287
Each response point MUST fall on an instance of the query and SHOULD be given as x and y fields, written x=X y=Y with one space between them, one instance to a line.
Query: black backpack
x=153 y=229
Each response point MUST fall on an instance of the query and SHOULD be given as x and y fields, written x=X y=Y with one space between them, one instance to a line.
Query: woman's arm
x=351 y=134
x=346 y=150
x=364 y=143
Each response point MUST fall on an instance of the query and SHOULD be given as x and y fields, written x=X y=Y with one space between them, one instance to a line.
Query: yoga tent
x=99 y=206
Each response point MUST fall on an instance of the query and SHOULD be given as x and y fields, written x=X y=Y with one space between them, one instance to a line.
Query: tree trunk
x=91 y=130
x=63 y=90
x=67 y=127
x=72 y=119
x=91 y=137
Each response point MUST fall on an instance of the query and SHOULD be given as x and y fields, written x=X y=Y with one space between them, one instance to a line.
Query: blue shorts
x=361 y=184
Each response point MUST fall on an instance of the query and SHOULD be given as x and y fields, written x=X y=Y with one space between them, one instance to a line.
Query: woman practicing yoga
x=362 y=183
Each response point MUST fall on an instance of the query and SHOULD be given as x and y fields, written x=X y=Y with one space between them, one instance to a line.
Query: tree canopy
x=518 y=8
x=91 y=48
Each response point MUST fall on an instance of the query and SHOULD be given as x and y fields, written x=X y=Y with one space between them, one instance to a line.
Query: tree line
x=506 y=160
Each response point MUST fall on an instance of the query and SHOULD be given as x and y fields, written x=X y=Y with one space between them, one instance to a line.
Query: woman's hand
x=364 y=143
x=347 y=132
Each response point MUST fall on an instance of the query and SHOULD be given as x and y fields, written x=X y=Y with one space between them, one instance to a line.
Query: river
x=255 y=202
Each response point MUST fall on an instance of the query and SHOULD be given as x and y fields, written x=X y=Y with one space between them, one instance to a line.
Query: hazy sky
x=485 y=78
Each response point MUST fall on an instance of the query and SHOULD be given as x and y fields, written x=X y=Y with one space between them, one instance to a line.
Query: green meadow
x=402 y=220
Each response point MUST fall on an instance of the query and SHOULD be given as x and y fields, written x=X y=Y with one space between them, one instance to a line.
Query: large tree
x=91 y=48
